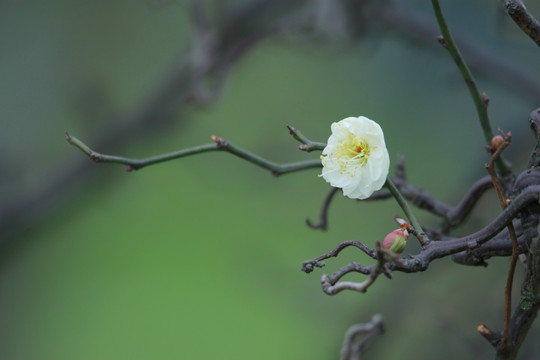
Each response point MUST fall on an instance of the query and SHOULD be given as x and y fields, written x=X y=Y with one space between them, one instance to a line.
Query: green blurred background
x=200 y=258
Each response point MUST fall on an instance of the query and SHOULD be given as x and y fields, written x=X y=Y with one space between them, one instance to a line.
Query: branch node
x=95 y=157
x=485 y=99
x=441 y=41
x=221 y=143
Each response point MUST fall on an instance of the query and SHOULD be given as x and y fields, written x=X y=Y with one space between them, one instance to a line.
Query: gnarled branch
x=432 y=251
x=352 y=347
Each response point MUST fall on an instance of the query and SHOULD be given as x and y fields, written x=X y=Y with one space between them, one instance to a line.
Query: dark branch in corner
x=524 y=19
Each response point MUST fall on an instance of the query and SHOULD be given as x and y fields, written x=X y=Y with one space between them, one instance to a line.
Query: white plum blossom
x=355 y=158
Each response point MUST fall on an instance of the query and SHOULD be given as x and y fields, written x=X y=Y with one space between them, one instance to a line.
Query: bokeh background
x=200 y=258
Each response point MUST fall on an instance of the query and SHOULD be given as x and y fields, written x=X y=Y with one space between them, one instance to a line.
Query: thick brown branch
x=500 y=245
x=524 y=19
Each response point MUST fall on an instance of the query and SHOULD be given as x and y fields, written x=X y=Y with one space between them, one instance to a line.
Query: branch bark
x=524 y=19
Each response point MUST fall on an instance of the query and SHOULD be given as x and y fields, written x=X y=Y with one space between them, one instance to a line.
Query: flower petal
x=356 y=158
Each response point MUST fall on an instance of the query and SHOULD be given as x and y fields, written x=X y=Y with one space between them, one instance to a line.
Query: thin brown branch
x=490 y=167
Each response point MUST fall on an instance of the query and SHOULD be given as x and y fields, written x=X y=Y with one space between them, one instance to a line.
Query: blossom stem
x=419 y=232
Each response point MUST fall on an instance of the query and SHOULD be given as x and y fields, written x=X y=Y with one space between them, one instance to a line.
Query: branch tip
x=292 y=130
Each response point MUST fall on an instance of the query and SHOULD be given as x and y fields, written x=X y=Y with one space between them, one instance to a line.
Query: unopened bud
x=396 y=241
x=496 y=141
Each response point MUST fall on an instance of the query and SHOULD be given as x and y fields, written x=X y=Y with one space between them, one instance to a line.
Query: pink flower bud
x=396 y=241
x=496 y=141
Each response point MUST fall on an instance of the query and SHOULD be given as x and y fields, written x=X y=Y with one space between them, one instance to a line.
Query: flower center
x=350 y=154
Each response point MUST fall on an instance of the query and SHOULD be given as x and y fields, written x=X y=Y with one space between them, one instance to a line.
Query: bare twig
x=352 y=346
x=322 y=222
x=309 y=265
x=220 y=145
x=307 y=145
